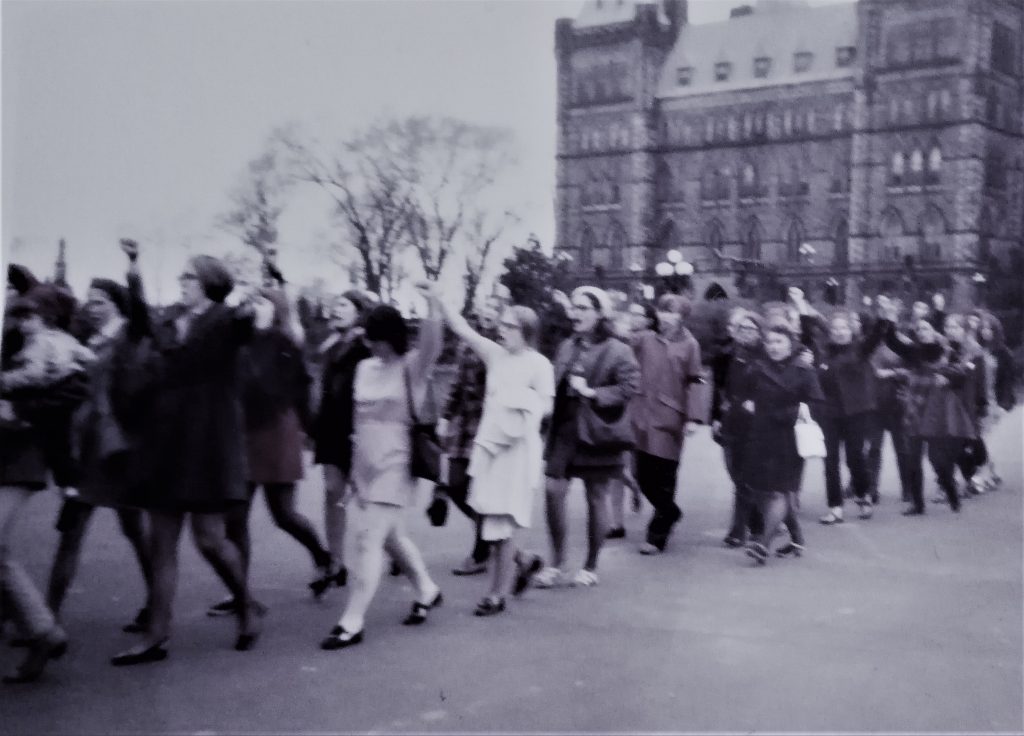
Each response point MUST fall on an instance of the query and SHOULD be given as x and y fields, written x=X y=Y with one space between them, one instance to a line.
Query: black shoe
x=327 y=579
x=339 y=639
x=140 y=625
x=489 y=606
x=733 y=542
x=253 y=627
x=790 y=550
x=227 y=607
x=52 y=645
x=616 y=533
x=141 y=655
x=757 y=552
x=418 y=615
x=525 y=573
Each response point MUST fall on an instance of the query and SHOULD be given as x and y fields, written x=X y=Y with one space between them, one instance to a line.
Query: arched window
x=752 y=240
x=933 y=234
x=916 y=162
x=841 y=252
x=934 y=165
x=664 y=185
x=668 y=237
x=840 y=176
x=749 y=181
x=794 y=242
x=792 y=183
x=615 y=242
x=891 y=230
x=897 y=169
x=587 y=243
x=714 y=239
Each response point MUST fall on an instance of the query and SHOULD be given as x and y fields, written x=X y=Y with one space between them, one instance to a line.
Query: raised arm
x=462 y=329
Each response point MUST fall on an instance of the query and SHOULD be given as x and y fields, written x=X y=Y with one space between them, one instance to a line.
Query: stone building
x=848 y=148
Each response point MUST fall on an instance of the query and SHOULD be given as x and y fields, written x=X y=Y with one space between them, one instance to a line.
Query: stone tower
x=609 y=61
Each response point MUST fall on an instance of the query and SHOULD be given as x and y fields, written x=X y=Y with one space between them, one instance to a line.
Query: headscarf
x=214 y=277
x=598 y=297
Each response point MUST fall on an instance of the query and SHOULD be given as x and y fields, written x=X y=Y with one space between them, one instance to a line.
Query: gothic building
x=848 y=148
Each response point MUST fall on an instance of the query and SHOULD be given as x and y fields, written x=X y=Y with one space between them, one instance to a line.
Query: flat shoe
x=339 y=639
x=418 y=615
x=526 y=573
x=49 y=646
x=829 y=519
x=154 y=653
x=732 y=542
x=649 y=549
x=140 y=625
x=470 y=567
x=489 y=607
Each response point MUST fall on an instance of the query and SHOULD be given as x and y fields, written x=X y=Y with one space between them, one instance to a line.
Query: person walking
x=275 y=404
x=506 y=463
x=194 y=449
x=332 y=428
x=661 y=411
x=388 y=391
x=771 y=395
x=730 y=423
x=1000 y=380
x=595 y=376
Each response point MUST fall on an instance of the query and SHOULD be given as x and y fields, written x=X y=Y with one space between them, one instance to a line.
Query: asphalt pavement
x=889 y=625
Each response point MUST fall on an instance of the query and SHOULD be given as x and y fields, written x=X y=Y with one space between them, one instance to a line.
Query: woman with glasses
x=506 y=461
x=194 y=447
x=595 y=376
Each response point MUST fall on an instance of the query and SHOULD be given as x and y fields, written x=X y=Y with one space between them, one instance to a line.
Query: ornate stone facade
x=877 y=143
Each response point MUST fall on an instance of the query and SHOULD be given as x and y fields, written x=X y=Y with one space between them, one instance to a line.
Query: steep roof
x=607 y=12
x=777 y=29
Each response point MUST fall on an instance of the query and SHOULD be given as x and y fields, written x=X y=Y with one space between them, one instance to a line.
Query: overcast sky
x=137 y=117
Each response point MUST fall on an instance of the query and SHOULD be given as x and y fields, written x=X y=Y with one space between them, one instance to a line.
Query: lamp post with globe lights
x=676 y=272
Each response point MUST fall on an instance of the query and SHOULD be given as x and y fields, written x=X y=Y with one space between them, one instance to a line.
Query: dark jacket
x=665 y=399
x=1005 y=378
x=929 y=398
x=465 y=404
x=769 y=461
x=332 y=427
x=735 y=370
x=845 y=372
x=275 y=379
x=609 y=368
x=196 y=440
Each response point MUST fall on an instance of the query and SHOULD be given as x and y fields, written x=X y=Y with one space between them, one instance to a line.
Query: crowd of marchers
x=184 y=413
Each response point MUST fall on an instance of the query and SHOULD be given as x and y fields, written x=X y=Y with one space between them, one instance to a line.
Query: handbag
x=810 y=439
x=424 y=448
x=604 y=429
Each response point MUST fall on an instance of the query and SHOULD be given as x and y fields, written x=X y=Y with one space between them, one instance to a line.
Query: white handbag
x=810 y=440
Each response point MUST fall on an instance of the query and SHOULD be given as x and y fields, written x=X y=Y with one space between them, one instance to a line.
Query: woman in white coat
x=506 y=465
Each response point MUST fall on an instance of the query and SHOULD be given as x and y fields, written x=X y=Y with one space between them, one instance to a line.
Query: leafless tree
x=482 y=233
x=257 y=202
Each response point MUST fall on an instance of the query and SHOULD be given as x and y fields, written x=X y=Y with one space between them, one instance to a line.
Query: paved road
x=889 y=625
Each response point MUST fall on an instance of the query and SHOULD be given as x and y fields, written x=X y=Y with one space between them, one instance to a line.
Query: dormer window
x=683 y=76
x=846 y=55
x=802 y=61
x=723 y=70
x=762 y=66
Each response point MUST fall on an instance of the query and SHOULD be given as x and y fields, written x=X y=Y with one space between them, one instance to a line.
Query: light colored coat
x=506 y=463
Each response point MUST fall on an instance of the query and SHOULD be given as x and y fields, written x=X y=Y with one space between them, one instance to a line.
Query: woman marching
x=771 y=466
x=670 y=366
x=194 y=447
x=388 y=388
x=595 y=376
x=275 y=401
x=332 y=428
x=506 y=463
x=1000 y=376
x=933 y=413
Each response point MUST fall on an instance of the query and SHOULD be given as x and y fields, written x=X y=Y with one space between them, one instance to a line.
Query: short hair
x=677 y=303
x=529 y=323
x=384 y=323
x=780 y=327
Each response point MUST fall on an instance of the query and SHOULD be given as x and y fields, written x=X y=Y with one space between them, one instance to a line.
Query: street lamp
x=675 y=271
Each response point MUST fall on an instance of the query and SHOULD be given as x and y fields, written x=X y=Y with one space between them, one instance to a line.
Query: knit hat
x=117 y=293
x=598 y=297
x=214 y=277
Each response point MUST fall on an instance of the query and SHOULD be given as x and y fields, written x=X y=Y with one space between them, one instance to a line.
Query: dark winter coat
x=929 y=398
x=734 y=369
x=196 y=440
x=769 y=461
x=845 y=372
x=609 y=368
x=332 y=427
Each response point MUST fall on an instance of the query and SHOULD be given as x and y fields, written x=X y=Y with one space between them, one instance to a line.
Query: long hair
x=384 y=323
